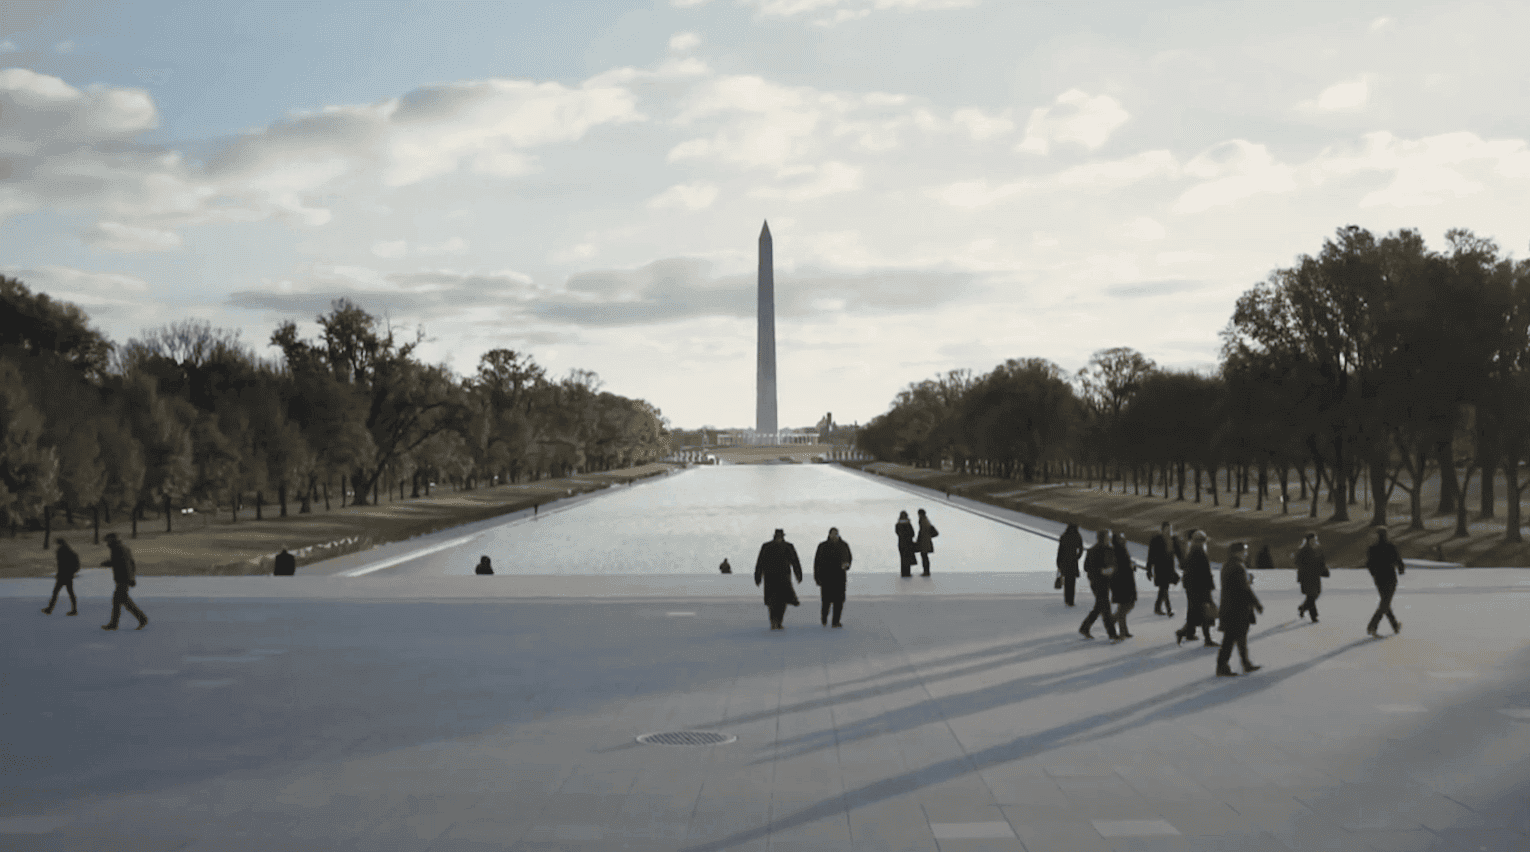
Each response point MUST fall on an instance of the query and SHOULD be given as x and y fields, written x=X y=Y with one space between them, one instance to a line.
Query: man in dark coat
x=286 y=564
x=1069 y=548
x=484 y=567
x=829 y=566
x=926 y=541
x=906 y=547
x=1237 y=611
x=1198 y=588
x=68 y=566
x=1160 y=567
x=1385 y=564
x=774 y=568
x=125 y=575
x=1123 y=584
x=1311 y=568
x=1099 y=566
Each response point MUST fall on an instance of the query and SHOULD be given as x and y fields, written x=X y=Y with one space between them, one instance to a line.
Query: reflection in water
x=689 y=522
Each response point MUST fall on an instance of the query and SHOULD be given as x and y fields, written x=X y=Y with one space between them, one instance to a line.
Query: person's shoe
x=47 y=610
x=1300 y=611
x=1226 y=673
x=836 y=624
x=108 y=627
x=1126 y=636
x=824 y=621
x=1086 y=633
x=142 y=624
x=1210 y=643
x=1372 y=633
x=925 y=574
x=1170 y=613
x=1249 y=667
x=1314 y=619
x=1158 y=612
x=1397 y=628
x=1115 y=639
x=1179 y=638
x=72 y=612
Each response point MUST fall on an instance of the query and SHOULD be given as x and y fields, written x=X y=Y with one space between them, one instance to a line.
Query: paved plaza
x=327 y=713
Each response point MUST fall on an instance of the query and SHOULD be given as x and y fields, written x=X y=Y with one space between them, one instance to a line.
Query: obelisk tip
x=765 y=231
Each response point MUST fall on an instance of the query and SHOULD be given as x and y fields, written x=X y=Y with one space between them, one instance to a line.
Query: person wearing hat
x=773 y=569
x=1237 y=611
x=68 y=566
x=125 y=575
x=1199 y=585
x=906 y=547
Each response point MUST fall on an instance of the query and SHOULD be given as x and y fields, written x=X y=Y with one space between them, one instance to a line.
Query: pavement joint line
x=1133 y=827
x=1520 y=713
x=995 y=830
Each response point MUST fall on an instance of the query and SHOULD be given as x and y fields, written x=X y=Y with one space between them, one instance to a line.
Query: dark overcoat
x=1069 y=548
x=1236 y=612
x=1198 y=582
x=68 y=563
x=829 y=566
x=906 y=547
x=1385 y=563
x=778 y=561
x=927 y=533
x=124 y=570
x=1099 y=564
x=1123 y=583
x=1160 y=562
x=1311 y=568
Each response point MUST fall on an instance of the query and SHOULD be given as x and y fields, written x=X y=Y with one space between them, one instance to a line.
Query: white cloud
x=1428 y=171
x=839 y=11
x=451 y=245
x=1382 y=23
x=681 y=42
x=64 y=47
x=8 y=46
x=1145 y=228
x=390 y=248
x=115 y=236
x=419 y=294
x=1232 y=171
x=981 y=126
x=688 y=4
x=1094 y=177
x=1173 y=257
x=804 y=183
x=1073 y=117
x=1340 y=97
x=685 y=196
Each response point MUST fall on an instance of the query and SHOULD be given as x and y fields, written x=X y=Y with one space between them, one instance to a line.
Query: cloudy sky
x=950 y=183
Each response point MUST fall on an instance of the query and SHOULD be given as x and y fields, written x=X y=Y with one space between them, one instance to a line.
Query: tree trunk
x=167 y=514
x=1259 y=489
x=281 y=496
x=1197 y=483
x=69 y=514
x=1489 y=467
x=1466 y=481
x=1448 y=487
x=1338 y=478
x=233 y=508
x=47 y=525
x=1511 y=500
x=1381 y=498
x=1285 y=497
x=260 y=505
x=1212 y=484
x=1181 y=481
x=414 y=485
x=326 y=494
x=137 y=509
x=95 y=521
x=1317 y=482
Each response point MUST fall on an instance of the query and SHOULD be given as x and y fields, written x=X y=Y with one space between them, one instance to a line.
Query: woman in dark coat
x=1237 y=611
x=1311 y=568
x=1123 y=584
x=774 y=569
x=906 y=547
x=1162 y=552
x=1069 y=548
x=829 y=566
x=1198 y=588
x=926 y=541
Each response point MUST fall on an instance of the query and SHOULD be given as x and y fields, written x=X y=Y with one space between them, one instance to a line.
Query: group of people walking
x=124 y=576
x=1111 y=574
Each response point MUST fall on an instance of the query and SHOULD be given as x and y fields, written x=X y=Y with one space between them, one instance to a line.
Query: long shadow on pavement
x=1167 y=705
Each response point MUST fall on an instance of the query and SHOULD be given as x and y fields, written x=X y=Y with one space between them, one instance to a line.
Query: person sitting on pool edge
x=483 y=566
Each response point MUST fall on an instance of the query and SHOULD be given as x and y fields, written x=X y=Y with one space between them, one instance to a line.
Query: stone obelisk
x=765 y=363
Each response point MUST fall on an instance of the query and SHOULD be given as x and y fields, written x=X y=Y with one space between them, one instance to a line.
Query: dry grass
x=1343 y=542
x=201 y=545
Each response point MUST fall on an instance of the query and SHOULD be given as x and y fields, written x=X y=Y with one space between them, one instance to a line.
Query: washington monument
x=765 y=367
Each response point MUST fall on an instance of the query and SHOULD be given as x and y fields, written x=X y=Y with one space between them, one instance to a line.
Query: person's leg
x=823 y=612
x=1312 y=607
x=1248 y=664
x=839 y=608
x=127 y=603
x=1126 y=608
x=924 y=557
x=1224 y=656
x=1069 y=584
x=74 y=603
x=1106 y=615
x=57 y=584
x=1386 y=601
x=1382 y=605
x=117 y=596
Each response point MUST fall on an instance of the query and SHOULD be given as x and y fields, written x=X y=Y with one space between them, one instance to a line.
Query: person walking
x=1160 y=567
x=906 y=546
x=1237 y=611
x=829 y=566
x=484 y=566
x=926 y=542
x=1123 y=584
x=1198 y=588
x=125 y=575
x=1311 y=568
x=1099 y=565
x=1265 y=561
x=1385 y=564
x=68 y=566
x=1069 y=548
x=286 y=564
x=774 y=568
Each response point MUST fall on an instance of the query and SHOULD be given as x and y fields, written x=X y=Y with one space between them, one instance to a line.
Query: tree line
x=189 y=415
x=1377 y=358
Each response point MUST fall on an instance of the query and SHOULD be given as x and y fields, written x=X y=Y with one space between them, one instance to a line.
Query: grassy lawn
x=1343 y=542
x=204 y=545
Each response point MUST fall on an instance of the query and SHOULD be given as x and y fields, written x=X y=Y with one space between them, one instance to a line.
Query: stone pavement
x=365 y=714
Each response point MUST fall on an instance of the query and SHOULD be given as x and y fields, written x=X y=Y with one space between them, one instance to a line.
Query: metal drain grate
x=687 y=738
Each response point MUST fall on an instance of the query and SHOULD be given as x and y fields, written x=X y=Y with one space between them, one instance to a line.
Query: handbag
x=1057 y=583
x=1211 y=612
